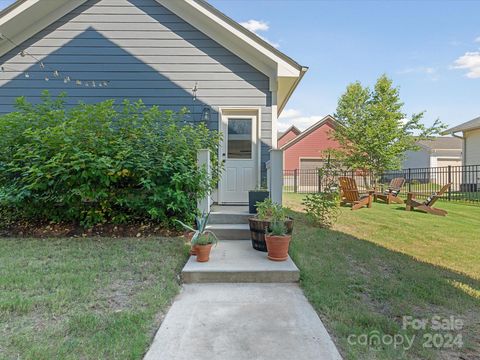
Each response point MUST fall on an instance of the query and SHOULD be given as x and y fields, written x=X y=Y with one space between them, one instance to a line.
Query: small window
x=239 y=140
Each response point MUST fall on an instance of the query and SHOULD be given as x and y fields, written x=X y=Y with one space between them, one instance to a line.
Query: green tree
x=374 y=132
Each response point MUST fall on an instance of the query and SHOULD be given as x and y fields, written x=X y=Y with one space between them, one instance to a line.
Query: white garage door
x=311 y=164
x=448 y=162
x=441 y=176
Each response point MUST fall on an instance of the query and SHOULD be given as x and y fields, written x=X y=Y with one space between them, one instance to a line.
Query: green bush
x=323 y=208
x=100 y=163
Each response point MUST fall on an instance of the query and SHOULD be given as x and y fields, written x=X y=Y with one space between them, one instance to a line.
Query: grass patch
x=93 y=298
x=381 y=264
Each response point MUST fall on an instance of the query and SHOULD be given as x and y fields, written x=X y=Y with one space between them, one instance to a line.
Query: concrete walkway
x=242 y=322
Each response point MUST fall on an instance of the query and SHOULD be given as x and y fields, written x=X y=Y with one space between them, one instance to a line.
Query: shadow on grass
x=359 y=287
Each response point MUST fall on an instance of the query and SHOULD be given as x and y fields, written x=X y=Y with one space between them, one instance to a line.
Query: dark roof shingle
x=442 y=143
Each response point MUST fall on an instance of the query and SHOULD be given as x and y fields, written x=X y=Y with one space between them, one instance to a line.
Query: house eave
x=283 y=102
x=25 y=18
x=11 y=7
x=467 y=126
x=459 y=129
x=250 y=34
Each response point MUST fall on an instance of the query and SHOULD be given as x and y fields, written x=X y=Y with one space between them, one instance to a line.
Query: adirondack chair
x=350 y=195
x=391 y=194
x=427 y=205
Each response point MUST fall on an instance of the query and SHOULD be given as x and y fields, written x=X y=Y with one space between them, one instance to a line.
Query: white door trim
x=241 y=112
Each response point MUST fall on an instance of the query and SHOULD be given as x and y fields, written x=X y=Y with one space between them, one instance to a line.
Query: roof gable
x=292 y=129
x=326 y=120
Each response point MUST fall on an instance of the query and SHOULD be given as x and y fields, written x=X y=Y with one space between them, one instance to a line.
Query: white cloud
x=290 y=113
x=418 y=70
x=291 y=117
x=256 y=26
x=431 y=72
x=477 y=39
x=471 y=62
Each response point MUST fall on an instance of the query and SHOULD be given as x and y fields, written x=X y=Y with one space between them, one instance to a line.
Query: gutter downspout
x=464 y=155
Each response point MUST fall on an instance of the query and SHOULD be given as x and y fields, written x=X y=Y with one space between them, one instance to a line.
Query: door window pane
x=239 y=138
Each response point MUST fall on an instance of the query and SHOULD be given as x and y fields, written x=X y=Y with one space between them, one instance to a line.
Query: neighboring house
x=289 y=134
x=469 y=134
x=438 y=152
x=157 y=51
x=306 y=150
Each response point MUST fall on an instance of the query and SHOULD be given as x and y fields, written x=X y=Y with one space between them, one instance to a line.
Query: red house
x=303 y=150
x=291 y=133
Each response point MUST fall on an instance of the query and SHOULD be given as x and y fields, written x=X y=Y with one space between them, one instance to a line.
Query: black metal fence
x=465 y=181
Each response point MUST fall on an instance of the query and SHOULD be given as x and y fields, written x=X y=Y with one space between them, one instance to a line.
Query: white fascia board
x=18 y=10
x=231 y=38
x=283 y=67
x=32 y=17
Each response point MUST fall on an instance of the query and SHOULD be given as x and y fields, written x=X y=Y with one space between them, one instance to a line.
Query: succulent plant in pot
x=202 y=239
x=277 y=237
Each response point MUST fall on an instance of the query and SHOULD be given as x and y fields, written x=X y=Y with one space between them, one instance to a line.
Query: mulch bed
x=49 y=230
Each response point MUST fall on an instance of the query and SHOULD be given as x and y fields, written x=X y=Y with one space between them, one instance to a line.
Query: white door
x=239 y=153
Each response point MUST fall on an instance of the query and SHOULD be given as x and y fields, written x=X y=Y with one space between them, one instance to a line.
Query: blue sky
x=420 y=44
x=414 y=42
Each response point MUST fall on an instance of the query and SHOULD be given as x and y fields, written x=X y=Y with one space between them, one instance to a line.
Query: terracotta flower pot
x=193 y=250
x=203 y=252
x=258 y=229
x=277 y=247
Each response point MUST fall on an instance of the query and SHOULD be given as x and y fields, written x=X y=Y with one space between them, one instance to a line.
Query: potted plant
x=278 y=241
x=262 y=221
x=256 y=196
x=203 y=246
x=201 y=239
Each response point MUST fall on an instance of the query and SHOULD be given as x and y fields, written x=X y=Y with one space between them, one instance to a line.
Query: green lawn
x=85 y=298
x=381 y=264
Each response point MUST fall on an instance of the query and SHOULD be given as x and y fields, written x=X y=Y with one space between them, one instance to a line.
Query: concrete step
x=229 y=217
x=230 y=231
x=237 y=262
